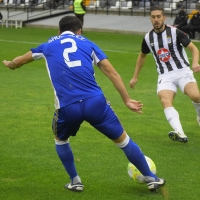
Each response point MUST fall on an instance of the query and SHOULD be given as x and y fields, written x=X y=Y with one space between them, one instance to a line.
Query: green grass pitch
x=29 y=166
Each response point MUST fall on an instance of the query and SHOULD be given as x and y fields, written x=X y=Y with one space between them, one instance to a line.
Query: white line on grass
x=118 y=51
x=40 y=43
x=19 y=42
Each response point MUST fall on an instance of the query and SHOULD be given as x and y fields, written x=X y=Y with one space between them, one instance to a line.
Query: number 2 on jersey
x=75 y=63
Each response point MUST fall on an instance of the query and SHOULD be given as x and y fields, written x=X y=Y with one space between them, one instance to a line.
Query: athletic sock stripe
x=124 y=142
x=58 y=142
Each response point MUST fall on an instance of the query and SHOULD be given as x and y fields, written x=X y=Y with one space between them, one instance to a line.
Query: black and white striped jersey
x=167 y=48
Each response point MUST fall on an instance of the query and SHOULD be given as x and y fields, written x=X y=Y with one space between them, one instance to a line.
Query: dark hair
x=157 y=7
x=70 y=23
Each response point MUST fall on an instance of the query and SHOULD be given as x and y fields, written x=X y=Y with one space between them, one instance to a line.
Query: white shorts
x=174 y=79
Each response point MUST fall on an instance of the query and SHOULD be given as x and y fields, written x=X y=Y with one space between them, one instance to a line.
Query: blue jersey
x=69 y=61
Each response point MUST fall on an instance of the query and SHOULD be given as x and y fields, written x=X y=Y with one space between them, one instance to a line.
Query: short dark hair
x=70 y=23
x=157 y=7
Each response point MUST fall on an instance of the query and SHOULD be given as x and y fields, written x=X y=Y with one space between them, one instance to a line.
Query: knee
x=196 y=98
x=165 y=102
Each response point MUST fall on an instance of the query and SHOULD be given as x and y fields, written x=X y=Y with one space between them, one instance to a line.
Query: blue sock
x=136 y=157
x=66 y=156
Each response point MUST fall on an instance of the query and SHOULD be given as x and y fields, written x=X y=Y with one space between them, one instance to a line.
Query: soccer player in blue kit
x=69 y=60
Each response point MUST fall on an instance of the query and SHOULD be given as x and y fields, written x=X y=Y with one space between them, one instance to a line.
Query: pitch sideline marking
x=40 y=43
x=19 y=42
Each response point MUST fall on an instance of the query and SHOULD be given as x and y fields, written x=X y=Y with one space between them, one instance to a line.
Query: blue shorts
x=95 y=110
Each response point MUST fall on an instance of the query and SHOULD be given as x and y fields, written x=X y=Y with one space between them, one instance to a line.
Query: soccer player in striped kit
x=166 y=44
x=69 y=60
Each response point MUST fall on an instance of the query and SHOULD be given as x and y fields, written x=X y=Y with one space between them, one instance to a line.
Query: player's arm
x=139 y=63
x=112 y=74
x=195 y=57
x=19 y=61
x=186 y=42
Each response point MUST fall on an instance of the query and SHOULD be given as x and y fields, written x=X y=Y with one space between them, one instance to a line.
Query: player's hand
x=135 y=106
x=133 y=81
x=196 y=68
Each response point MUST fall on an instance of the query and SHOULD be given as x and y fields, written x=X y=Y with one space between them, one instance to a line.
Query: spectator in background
x=1 y=17
x=193 y=26
x=181 y=19
x=79 y=10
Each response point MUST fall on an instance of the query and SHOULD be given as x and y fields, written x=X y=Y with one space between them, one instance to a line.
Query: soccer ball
x=136 y=175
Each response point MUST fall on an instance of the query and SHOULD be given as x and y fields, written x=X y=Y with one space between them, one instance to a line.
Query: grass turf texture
x=30 y=168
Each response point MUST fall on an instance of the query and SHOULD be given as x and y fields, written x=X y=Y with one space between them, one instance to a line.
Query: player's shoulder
x=174 y=30
x=148 y=33
x=170 y=26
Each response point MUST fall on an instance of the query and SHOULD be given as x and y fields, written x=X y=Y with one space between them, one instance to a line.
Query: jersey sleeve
x=145 y=49
x=98 y=54
x=182 y=38
x=37 y=53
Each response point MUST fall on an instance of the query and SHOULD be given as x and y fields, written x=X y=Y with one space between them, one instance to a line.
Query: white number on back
x=76 y=63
